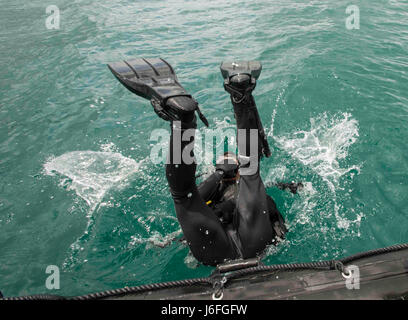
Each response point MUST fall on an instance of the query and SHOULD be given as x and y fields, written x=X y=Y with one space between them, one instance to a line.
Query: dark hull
x=382 y=276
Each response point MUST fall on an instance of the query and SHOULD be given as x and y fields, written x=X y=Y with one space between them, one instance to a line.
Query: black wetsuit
x=238 y=223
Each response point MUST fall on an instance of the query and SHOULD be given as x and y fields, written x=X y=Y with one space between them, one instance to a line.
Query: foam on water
x=91 y=175
x=321 y=148
x=190 y=261
x=276 y=174
x=156 y=239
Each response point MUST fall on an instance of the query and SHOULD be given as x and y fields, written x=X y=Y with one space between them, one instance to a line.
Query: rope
x=37 y=297
x=145 y=288
x=218 y=280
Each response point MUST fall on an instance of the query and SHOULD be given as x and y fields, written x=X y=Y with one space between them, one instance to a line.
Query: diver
x=229 y=215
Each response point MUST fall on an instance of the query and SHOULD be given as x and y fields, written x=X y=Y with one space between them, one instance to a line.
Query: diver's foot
x=240 y=78
x=240 y=87
x=155 y=80
x=180 y=108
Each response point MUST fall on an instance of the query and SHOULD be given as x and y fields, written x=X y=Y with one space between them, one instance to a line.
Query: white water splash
x=276 y=174
x=321 y=148
x=91 y=174
x=190 y=261
x=156 y=239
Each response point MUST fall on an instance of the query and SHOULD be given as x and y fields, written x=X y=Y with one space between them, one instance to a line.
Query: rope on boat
x=217 y=280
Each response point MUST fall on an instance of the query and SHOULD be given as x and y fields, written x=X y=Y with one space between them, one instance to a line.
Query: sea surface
x=78 y=189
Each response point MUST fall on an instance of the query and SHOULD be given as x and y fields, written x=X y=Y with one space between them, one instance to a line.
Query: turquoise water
x=78 y=189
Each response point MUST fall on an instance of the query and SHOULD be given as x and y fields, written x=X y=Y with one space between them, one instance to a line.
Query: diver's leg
x=252 y=220
x=204 y=233
x=155 y=80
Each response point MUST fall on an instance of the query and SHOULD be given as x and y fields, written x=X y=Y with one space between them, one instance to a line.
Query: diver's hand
x=292 y=187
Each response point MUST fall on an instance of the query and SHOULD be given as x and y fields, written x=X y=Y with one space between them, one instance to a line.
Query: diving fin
x=251 y=68
x=239 y=81
x=155 y=80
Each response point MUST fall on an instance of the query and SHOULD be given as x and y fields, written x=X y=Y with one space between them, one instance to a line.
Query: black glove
x=292 y=187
